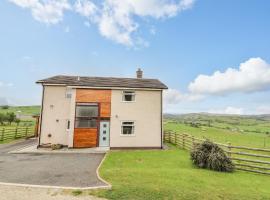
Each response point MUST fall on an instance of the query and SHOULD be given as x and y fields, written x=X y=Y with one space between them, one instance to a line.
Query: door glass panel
x=86 y=123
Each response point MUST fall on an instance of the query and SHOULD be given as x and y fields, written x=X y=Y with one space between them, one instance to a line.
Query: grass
x=76 y=192
x=259 y=140
x=24 y=110
x=170 y=175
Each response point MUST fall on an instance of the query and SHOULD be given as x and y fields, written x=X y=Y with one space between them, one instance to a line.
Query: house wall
x=57 y=110
x=145 y=112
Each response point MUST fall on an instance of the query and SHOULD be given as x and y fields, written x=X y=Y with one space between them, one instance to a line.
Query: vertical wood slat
x=16 y=132
x=2 y=135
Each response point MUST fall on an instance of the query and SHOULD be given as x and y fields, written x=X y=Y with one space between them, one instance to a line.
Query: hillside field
x=253 y=131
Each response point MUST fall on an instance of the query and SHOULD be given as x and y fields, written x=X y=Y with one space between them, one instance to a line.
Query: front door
x=104 y=134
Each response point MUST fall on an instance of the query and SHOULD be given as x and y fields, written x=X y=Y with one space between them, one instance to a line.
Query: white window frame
x=123 y=96
x=68 y=94
x=133 y=130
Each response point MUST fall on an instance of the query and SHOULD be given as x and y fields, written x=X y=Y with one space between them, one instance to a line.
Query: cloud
x=173 y=96
x=46 y=11
x=253 y=75
x=228 y=111
x=116 y=20
x=263 y=110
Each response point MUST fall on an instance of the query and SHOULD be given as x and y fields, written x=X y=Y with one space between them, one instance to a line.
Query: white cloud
x=253 y=75
x=263 y=110
x=115 y=19
x=46 y=11
x=87 y=9
x=173 y=96
x=228 y=111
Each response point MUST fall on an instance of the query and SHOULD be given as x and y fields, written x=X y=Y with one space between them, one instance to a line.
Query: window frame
x=131 y=91
x=133 y=130
x=96 y=118
x=68 y=94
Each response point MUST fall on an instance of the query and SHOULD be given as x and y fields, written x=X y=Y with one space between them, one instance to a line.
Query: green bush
x=211 y=156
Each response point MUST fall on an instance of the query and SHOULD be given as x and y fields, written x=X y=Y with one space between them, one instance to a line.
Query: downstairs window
x=127 y=128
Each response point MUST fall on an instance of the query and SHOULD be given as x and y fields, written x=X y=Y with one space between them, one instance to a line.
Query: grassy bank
x=170 y=175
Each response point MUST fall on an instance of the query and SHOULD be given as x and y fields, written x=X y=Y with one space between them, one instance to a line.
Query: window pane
x=86 y=111
x=128 y=96
x=127 y=130
x=86 y=123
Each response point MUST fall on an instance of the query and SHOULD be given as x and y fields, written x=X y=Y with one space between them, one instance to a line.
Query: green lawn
x=169 y=174
x=260 y=140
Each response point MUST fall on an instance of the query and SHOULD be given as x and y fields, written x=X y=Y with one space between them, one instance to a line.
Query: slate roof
x=109 y=82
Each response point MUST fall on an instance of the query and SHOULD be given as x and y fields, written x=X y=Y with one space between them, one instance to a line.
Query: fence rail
x=12 y=133
x=240 y=155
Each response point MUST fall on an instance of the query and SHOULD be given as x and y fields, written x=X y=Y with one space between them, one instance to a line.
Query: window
x=127 y=128
x=86 y=115
x=68 y=93
x=128 y=96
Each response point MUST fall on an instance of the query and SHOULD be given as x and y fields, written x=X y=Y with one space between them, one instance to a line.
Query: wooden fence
x=12 y=133
x=244 y=158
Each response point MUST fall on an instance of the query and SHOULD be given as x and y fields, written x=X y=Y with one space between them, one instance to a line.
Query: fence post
x=16 y=131
x=26 y=132
x=175 y=138
x=170 y=137
x=183 y=142
x=2 y=135
x=229 y=150
x=193 y=141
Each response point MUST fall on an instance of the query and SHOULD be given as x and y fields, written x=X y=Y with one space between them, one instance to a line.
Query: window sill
x=133 y=135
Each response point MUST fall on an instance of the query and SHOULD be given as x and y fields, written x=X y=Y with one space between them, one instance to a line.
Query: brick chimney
x=139 y=73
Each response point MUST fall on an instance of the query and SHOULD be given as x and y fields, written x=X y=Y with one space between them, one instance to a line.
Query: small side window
x=127 y=128
x=128 y=96
x=68 y=93
x=68 y=124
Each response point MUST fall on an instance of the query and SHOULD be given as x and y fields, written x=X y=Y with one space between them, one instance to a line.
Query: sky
x=213 y=55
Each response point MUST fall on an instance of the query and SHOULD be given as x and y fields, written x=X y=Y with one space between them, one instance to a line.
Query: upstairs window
x=128 y=96
x=86 y=115
x=127 y=128
x=68 y=93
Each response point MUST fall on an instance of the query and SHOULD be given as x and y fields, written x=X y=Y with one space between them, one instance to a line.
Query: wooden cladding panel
x=90 y=95
x=105 y=109
x=85 y=137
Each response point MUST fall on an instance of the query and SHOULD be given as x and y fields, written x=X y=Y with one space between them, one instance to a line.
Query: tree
x=2 y=118
x=17 y=121
x=11 y=117
x=5 y=107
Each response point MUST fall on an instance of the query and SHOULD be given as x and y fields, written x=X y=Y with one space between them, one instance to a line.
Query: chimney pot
x=139 y=73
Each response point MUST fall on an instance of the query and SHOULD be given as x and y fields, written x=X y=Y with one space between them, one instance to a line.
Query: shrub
x=211 y=156
x=56 y=146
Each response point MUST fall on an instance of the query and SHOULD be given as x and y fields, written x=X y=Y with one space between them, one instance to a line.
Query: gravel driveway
x=24 y=193
x=69 y=170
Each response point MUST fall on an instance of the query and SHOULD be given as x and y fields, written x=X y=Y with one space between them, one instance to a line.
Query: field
x=23 y=110
x=169 y=175
x=252 y=131
x=13 y=131
x=25 y=114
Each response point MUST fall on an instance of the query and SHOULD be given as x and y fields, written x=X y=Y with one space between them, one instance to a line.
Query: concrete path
x=25 y=193
x=64 y=170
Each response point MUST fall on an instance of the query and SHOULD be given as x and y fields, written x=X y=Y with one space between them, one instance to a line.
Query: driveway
x=67 y=170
